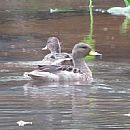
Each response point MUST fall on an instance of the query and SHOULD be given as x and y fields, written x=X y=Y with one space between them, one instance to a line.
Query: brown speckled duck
x=55 y=73
x=56 y=57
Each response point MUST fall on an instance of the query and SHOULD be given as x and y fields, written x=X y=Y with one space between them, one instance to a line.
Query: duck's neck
x=57 y=50
x=82 y=65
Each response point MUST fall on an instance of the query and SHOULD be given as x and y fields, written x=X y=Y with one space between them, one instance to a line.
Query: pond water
x=101 y=105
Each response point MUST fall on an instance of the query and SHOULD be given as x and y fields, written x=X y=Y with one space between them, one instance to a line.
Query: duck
x=56 y=57
x=56 y=73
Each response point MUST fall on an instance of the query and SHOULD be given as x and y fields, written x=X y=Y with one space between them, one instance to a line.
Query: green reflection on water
x=126 y=23
x=89 y=38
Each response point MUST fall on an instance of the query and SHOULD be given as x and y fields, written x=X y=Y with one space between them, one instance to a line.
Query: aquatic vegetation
x=127 y=2
x=89 y=38
x=122 y=11
x=124 y=26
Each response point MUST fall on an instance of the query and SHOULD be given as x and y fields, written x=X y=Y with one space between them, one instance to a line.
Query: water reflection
x=125 y=25
x=103 y=104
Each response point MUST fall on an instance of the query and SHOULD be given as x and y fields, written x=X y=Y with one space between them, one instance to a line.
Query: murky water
x=104 y=104
x=101 y=105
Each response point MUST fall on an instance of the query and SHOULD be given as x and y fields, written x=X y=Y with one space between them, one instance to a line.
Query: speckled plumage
x=79 y=72
x=55 y=57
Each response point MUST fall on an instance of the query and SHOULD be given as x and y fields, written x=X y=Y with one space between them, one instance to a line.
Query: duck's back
x=58 y=59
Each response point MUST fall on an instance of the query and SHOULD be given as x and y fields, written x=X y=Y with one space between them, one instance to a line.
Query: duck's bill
x=94 y=53
x=45 y=48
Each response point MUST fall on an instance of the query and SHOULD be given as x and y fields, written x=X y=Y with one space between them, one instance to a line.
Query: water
x=101 y=105
x=104 y=104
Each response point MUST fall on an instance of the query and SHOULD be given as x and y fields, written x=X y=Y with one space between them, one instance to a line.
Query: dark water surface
x=101 y=105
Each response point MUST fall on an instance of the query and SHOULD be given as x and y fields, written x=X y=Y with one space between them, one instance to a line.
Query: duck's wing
x=55 y=73
x=67 y=61
x=51 y=68
x=58 y=59
x=48 y=68
x=56 y=68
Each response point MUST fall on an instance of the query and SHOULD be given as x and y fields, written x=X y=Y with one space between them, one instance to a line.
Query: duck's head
x=81 y=50
x=53 y=45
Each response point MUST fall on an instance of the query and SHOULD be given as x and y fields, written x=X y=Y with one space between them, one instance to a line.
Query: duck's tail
x=32 y=75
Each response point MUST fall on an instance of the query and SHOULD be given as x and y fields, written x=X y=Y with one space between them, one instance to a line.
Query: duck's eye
x=84 y=47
